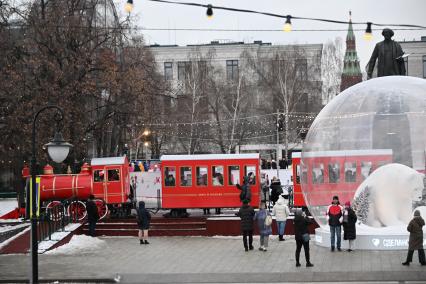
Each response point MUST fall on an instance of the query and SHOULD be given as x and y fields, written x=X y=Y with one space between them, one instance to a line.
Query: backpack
x=268 y=220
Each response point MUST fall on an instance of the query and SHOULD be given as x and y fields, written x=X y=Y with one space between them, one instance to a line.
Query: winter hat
x=335 y=197
x=347 y=203
x=417 y=213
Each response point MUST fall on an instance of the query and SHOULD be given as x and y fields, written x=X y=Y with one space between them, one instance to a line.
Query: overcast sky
x=160 y=15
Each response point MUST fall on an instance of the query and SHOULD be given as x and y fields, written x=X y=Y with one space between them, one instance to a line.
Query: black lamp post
x=58 y=150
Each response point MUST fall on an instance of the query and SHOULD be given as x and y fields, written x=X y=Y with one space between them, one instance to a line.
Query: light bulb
x=129 y=6
x=368 y=32
x=209 y=12
x=287 y=25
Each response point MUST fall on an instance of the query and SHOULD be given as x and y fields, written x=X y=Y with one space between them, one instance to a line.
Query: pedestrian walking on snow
x=92 y=215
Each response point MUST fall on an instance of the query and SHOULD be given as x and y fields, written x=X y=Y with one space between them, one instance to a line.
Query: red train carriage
x=207 y=181
x=328 y=173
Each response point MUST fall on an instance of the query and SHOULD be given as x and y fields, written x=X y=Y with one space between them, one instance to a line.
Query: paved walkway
x=214 y=260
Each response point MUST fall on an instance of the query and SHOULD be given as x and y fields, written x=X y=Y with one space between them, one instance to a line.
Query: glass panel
x=170 y=176
x=366 y=169
x=168 y=70
x=185 y=176
x=234 y=175
x=250 y=171
x=350 y=172
x=298 y=174
x=114 y=175
x=217 y=178
x=318 y=173
x=202 y=175
x=304 y=174
x=333 y=173
x=99 y=176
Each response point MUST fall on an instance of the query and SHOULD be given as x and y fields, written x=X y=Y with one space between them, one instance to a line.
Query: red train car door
x=298 y=199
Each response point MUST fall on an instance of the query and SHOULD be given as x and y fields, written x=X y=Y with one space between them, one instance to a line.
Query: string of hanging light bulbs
x=287 y=25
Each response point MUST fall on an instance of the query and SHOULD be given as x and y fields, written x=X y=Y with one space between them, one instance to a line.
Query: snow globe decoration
x=368 y=146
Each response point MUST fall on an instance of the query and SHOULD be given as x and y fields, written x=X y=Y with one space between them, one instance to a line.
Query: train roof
x=343 y=153
x=209 y=157
x=108 y=161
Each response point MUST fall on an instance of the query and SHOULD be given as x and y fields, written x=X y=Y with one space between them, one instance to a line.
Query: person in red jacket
x=335 y=218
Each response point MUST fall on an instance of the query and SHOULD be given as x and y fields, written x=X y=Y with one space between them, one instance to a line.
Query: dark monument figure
x=389 y=54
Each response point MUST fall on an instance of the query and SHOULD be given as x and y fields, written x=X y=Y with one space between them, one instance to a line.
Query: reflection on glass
x=98 y=176
x=185 y=176
x=333 y=173
x=350 y=172
x=234 y=175
x=318 y=173
x=114 y=175
x=217 y=178
x=201 y=175
x=250 y=171
x=170 y=176
x=366 y=169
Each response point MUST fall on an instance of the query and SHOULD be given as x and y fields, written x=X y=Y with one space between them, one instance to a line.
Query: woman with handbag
x=301 y=234
x=264 y=223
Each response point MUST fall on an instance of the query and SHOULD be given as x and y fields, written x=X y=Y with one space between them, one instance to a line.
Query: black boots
x=308 y=264
x=146 y=242
x=143 y=242
x=406 y=263
x=281 y=238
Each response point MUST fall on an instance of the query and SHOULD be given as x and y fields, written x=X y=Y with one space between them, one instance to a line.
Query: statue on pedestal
x=389 y=54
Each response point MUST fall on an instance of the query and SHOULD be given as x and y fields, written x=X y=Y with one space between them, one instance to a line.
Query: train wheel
x=102 y=208
x=77 y=210
x=56 y=210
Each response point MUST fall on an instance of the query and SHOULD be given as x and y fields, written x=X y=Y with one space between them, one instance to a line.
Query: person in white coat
x=281 y=212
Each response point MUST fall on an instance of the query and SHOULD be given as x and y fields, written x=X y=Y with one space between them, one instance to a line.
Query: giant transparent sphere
x=373 y=123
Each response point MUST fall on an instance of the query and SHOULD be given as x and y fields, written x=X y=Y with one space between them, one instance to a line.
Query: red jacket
x=335 y=214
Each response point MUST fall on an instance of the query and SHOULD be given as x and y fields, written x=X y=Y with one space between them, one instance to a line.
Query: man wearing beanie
x=415 y=241
x=335 y=217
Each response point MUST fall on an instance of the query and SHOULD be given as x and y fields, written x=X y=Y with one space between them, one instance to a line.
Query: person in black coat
x=301 y=234
x=276 y=190
x=143 y=219
x=246 y=213
x=92 y=215
x=349 y=222
x=245 y=190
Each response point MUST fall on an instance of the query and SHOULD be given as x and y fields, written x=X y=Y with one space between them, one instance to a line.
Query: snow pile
x=7 y=205
x=80 y=244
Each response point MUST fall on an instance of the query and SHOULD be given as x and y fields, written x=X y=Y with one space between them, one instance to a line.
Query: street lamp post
x=58 y=150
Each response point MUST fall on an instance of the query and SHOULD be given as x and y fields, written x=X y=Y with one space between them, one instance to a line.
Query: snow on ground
x=6 y=228
x=7 y=205
x=80 y=244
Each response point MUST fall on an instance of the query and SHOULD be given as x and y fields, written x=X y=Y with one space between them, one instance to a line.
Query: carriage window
x=333 y=173
x=366 y=169
x=318 y=173
x=250 y=171
x=185 y=176
x=298 y=174
x=201 y=175
x=170 y=176
x=99 y=176
x=350 y=172
x=233 y=175
x=217 y=178
x=114 y=175
x=304 y=174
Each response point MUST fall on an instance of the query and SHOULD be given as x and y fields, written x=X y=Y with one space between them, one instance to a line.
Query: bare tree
x=284 y=75
x=332 y=64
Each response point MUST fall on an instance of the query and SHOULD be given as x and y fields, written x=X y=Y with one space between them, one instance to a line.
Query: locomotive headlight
x=58 y=149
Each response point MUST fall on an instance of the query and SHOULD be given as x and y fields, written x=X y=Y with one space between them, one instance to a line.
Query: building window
x=232 y=69
x=168 y=70
x=301 y=69
x=182 y=70
x=424 y=66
